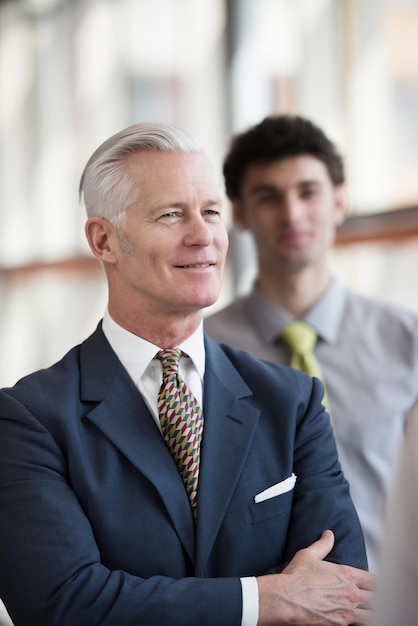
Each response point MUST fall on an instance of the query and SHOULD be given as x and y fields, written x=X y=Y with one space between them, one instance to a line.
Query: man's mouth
x=294 y=235
x=196 y=265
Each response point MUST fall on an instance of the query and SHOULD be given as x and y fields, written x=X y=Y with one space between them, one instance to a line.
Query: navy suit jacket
x=95 y=524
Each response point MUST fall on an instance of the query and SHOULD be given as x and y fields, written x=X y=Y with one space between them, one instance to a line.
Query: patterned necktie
x=181 y=422
x=301 y=339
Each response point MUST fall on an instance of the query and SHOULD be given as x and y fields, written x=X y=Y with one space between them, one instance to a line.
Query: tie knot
x=299 y=337
x=169 y=360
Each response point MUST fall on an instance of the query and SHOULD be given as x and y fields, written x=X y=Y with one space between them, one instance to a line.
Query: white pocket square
x=276 y=490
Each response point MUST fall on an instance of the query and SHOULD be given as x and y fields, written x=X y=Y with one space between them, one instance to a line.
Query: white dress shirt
x=137 y=356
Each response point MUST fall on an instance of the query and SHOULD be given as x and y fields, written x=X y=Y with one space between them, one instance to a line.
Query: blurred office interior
x=73 y=72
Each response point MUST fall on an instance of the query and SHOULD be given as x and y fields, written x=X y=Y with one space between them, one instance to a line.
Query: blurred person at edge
x=397 y=595
x=96 y=525
x=285 y=180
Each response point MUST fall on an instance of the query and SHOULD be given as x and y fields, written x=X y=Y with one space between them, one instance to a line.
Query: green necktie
x=301 y=339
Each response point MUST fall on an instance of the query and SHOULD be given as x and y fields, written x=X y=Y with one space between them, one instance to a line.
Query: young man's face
x=292 y=209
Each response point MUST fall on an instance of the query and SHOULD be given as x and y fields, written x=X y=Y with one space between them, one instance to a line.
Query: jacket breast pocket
x=278 y=505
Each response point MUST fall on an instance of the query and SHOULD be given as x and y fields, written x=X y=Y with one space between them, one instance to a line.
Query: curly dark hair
x=278 y=137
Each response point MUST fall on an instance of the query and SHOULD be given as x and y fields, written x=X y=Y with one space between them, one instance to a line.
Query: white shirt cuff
x=249 y=601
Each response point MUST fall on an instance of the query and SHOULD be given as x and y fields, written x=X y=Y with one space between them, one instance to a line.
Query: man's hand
x=313 y=592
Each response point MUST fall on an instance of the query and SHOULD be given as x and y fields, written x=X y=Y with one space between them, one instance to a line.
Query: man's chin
x=199 y=303
x=294 y=262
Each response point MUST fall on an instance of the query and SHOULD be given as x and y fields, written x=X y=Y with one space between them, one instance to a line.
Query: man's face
x=292 y=209
x=176 y=242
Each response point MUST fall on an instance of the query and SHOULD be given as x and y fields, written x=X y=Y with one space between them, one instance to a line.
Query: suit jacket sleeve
x=51 y=570
x=294 y=435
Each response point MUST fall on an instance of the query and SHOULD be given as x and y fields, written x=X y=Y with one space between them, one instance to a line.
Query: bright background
x=74 y=72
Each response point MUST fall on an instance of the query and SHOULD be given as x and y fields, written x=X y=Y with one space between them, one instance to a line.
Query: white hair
x=106 y=187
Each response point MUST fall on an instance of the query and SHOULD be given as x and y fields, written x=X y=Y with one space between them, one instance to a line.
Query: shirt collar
x=135 y=353
x=267 y=317
x=327 y=313
x=325 y=316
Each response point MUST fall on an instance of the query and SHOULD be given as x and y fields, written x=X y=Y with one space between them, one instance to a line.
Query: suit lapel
x=119 y=411
x=230 y=423
x=121 y=414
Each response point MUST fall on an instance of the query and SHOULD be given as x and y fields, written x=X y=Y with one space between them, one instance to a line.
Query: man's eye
x=308 y=193
x=169 y=215
x=266 y=199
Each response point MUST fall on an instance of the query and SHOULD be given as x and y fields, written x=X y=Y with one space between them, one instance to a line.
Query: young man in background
x=285 y=180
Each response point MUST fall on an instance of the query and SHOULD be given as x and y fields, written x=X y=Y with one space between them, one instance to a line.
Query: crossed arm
x=314 y=592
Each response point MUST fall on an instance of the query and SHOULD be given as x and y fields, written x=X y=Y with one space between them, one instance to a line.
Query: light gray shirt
x=368 y=352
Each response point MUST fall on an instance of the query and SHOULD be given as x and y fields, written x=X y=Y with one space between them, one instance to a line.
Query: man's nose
x=291 y=208
x=198 y=232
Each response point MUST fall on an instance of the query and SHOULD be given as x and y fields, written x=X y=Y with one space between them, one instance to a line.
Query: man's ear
x=340 y=209
x=102 y=239
x=238 y=214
